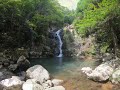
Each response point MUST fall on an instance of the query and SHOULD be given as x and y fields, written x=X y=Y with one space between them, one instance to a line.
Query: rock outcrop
x=100 y=73
x=23 y=63
x=39 y=79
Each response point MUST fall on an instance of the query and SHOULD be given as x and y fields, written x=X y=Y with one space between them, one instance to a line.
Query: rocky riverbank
x=108 y=70
x=35 y=78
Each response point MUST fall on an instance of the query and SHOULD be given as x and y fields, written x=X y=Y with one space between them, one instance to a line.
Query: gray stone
x=12 y=67
x=1 y=74
x=107 y=57
x=57 y=82
x=39 y=73
x=100 y=73
x=31 y=84
x=47 y=84
x=14 y=81
x=23 y=63
x=56 y=88
x=86 y=70
x=116 y=77
x=6 y=74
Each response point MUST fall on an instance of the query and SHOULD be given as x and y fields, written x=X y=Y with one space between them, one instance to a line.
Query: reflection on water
x=68 y=69
x=60 y=60
x=60 y=64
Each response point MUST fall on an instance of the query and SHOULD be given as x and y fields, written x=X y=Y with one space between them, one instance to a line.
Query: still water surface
x=61 y=65
x=69 y=70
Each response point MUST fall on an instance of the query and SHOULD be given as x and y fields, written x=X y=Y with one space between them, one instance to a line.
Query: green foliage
x=91 y=12
x=101 y=18
x=19 y=17
x=69 y=16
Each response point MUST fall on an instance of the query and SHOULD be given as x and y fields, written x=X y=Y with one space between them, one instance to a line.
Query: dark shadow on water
x=59 y=60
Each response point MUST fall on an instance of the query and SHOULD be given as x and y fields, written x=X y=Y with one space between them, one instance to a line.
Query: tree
x=100 y=17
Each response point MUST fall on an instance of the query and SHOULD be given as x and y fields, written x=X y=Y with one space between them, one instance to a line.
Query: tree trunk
x=114 y=38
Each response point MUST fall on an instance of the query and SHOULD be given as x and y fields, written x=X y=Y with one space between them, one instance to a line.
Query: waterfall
x=60 y=43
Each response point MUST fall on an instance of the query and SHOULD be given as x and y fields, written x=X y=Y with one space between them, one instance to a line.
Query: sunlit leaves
x=93 y=13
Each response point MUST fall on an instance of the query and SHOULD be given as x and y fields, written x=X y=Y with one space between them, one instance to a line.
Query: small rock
x=31 y=84
x=57 y=82
x=47 y=84
x=6 y=64
x=12 y=62
x=6 y=74
x=107 y=57
x=11 y=81
x=22 y=75
x=12 y=67
x=116 y=77
x=1 y=66
x=86 y=70
x=1 y=74
x=56 y=88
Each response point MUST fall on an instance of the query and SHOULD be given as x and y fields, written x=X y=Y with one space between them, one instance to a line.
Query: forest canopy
x=18 y=18
x=99 y=18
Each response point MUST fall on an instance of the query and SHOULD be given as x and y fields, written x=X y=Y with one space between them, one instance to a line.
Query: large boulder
x=100 y=73
x=56 y=88
x=39 y=73
x=13 y=83
x=116 y=77
x=22 y=63
x=57 y=82
x=31 y=84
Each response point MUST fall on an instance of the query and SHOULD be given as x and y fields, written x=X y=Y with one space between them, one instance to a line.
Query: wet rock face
x=54 y=41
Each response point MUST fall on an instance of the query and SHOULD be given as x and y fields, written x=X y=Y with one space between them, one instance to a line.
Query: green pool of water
x=64 y=65
x=69 y=70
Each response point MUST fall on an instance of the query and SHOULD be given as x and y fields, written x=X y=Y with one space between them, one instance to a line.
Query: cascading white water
x=60 y=43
